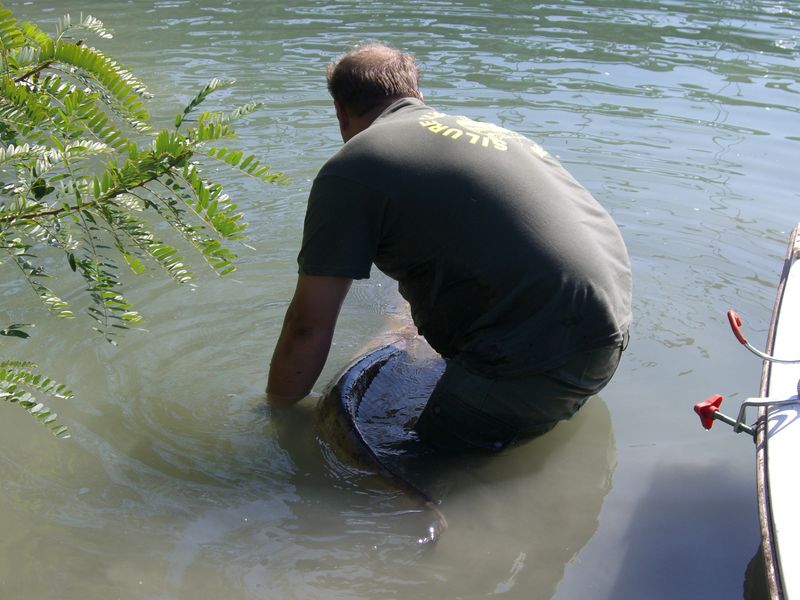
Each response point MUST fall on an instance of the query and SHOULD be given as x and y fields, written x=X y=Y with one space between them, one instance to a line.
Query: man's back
x=509 y=265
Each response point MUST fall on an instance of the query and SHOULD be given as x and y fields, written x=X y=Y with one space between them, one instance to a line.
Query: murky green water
x=681 y=117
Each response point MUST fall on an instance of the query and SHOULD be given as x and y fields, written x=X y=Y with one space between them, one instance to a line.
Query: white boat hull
x=778 y=438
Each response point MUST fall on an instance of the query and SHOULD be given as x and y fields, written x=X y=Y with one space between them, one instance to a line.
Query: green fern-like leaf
x=10 y=35
x=34 y=36
x=166 y=256
x=218 y=258
x=45 y=158
x=23 y=111
x=213 y=206
x=241 y=111
x=87 y=23
x=210 y=87
x=76 y=112
x=20 y=384
x=229 y=117
x=246 y=163
x=16 y=154
x=123 y=91
x=210 y=131
x=110 y=309
x=33 y=274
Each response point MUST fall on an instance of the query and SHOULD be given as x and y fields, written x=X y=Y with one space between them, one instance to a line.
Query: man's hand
x=305 y=339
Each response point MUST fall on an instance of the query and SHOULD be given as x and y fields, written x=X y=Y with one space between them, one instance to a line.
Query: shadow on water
x=686 y=534
x=755 y=578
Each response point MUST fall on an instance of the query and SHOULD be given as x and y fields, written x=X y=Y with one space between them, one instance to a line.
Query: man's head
x=370 y=77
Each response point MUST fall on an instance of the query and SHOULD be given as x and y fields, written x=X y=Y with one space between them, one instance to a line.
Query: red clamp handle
x=736 y=323
x=707 y=408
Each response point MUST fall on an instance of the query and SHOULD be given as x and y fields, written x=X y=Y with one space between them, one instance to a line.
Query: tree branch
x=41 y=67
x=34 y=71
x=113 y=193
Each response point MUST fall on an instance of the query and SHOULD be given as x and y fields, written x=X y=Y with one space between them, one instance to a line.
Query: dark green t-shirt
x=509 y=265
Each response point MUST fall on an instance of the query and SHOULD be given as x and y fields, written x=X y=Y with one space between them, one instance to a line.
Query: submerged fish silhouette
x=338 y=425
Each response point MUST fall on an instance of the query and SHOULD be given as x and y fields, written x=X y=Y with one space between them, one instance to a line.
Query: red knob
x=707 y=408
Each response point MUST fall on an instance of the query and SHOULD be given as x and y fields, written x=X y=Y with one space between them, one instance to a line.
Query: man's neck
x=352 y=125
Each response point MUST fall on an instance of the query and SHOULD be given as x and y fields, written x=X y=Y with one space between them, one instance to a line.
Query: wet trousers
x=472 y=411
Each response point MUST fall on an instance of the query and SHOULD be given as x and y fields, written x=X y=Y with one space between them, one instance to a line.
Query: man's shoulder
x=371 y=149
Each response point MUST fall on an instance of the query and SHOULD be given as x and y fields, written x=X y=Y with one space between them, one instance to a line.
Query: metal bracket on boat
x=736 y=325
x=708 y=411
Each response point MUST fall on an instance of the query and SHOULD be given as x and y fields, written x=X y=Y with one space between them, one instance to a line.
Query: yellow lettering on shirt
x=480 y=135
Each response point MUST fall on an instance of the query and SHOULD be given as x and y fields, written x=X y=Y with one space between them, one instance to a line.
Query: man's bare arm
x=305 y=338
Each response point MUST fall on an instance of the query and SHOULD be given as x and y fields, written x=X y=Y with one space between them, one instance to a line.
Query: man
x=513 y=272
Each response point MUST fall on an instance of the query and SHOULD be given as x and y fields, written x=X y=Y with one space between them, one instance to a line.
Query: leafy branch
x=20 y=384
x=84 y=172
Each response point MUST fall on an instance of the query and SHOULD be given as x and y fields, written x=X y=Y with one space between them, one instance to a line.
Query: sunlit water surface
x=682 y=119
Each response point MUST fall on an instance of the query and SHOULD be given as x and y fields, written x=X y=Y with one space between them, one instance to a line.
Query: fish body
x=338 y=425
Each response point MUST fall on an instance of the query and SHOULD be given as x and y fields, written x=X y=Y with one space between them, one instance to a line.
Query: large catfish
x=341 y=424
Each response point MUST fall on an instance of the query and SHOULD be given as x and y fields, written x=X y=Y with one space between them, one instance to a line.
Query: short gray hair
x=371 y=74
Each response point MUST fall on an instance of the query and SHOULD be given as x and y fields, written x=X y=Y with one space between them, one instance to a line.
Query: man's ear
x=342 y=116
x=344 y=120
